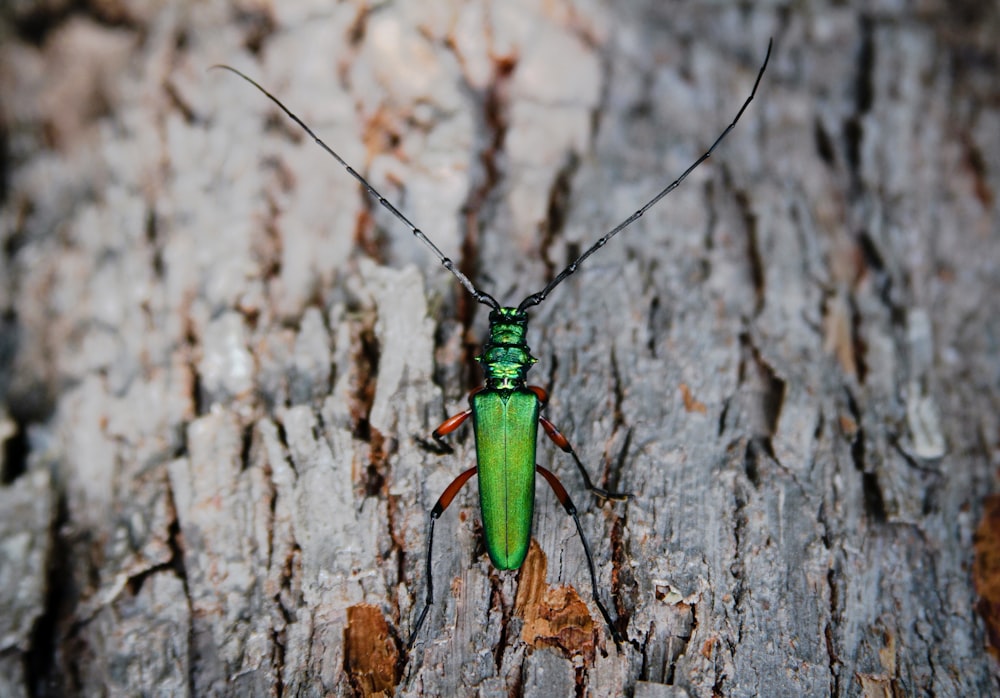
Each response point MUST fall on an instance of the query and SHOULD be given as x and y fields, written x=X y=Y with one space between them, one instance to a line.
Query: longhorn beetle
x=506 y=411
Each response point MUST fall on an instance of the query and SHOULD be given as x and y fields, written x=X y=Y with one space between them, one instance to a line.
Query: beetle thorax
x=506 y=357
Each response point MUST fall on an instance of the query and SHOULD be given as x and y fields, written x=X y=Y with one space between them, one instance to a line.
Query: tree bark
x=220 y=355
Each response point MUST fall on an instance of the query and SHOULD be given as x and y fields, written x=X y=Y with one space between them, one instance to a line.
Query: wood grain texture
x=217 y=354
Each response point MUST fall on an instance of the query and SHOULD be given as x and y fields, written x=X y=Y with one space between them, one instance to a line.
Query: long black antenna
x=536 y=298
x=447 y=263
x=484 y=298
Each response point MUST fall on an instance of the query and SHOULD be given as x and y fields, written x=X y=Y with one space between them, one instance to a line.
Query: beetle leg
x=563 y=496
x=440 y=446
x=559 y=440
x=442 y=503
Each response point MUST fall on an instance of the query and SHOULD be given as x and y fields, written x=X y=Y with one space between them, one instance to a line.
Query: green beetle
x=506 y=411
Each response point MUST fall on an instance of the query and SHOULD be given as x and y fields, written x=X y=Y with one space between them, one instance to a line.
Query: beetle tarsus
x=438 y=446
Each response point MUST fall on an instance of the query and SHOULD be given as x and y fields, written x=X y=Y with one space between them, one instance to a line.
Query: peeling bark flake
x=371 y=657
x=554 y=616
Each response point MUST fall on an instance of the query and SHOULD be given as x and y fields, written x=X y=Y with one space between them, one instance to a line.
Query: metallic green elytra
x=506 y=428
x=506 y=411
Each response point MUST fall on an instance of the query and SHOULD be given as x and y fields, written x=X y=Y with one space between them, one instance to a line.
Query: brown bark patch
x=986 y=571
x=370 y=652
x=691 y=404
x=554 y=616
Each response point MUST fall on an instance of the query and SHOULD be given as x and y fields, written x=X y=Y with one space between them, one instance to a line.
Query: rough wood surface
x=217 y=353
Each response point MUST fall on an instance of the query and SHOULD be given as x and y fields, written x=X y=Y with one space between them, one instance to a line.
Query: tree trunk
x=220 y=355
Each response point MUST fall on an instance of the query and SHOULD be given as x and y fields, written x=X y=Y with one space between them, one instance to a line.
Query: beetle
x=506 y=411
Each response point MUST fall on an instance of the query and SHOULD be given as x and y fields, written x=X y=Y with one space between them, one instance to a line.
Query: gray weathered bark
x=218 y=352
